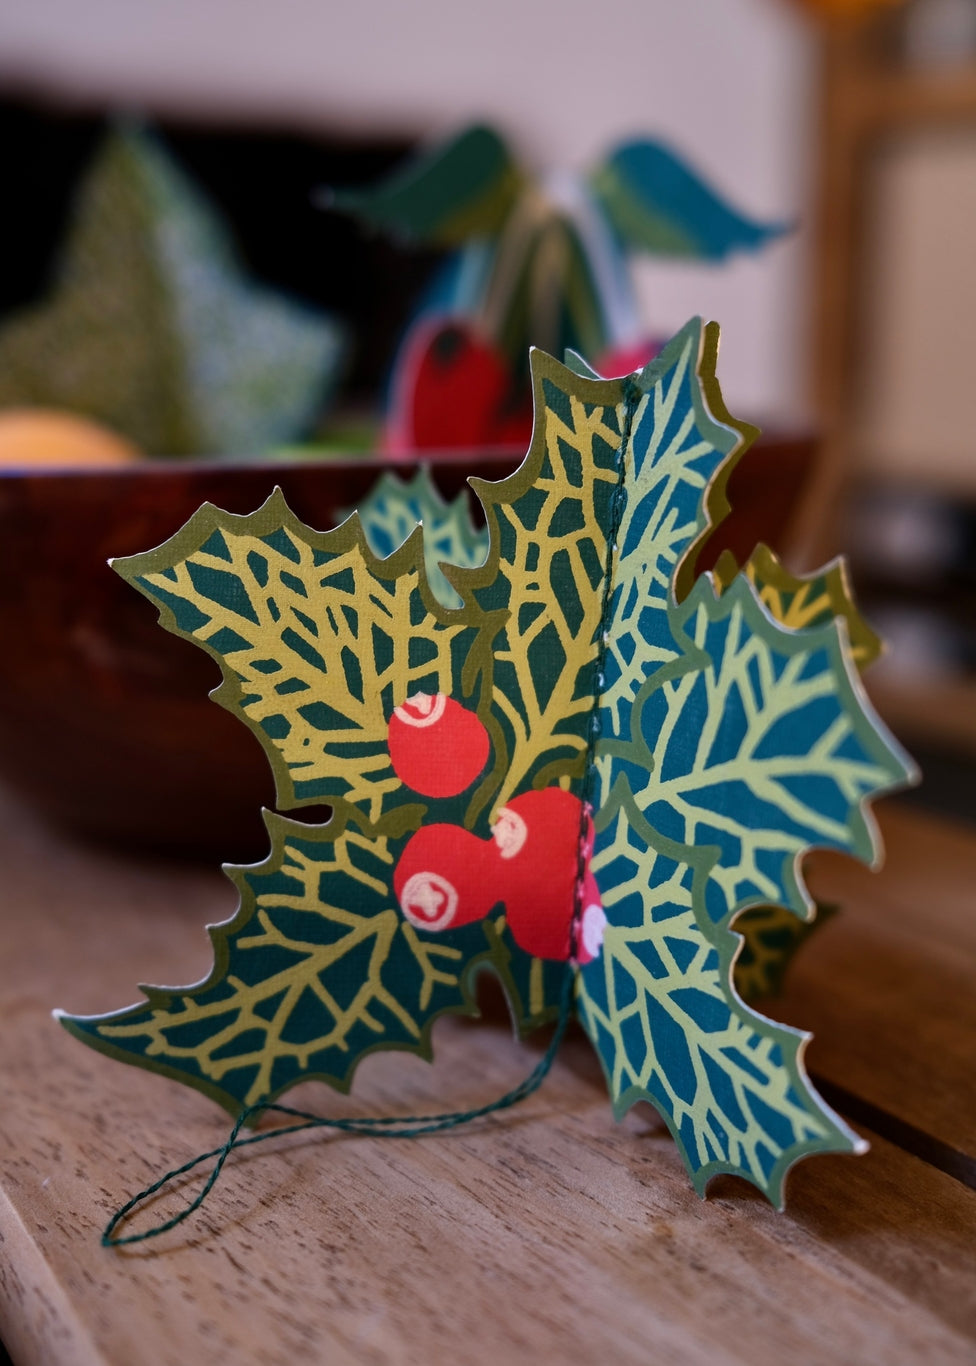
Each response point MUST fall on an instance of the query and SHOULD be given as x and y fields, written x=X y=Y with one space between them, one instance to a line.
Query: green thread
x=407 y=1126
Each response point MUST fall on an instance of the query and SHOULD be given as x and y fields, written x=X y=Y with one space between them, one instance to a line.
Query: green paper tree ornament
x=685 y=743
x=153 y=328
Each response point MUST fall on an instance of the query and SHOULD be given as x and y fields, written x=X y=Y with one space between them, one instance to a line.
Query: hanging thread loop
x=385 y=1126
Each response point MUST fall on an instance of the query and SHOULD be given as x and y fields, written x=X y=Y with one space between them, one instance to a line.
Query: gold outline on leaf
x=772 y=581
x=506 y=776
x=716 y=505
x=383 y=927
x=346 y=539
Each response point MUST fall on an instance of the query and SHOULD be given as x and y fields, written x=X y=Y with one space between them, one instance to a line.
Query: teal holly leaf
x=461 y=188
x=658 y=1006
x=757 y=741
x=657 y=203
x=393 y=509
x=730 y=746
x=682 y=448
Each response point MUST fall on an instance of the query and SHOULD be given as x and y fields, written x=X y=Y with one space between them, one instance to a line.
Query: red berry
x=437 y=747
x=447 y=877
x=537 y=838
x=444 y=878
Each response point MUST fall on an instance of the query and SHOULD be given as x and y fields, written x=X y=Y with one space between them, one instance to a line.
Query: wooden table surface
x=547 y=1234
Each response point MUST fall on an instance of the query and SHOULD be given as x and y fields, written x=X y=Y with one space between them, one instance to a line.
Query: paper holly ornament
x=592 y=766
x=536 y=260
x=154 y=329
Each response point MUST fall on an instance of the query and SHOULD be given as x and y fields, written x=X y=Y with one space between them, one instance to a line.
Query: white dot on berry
x=509 y=832
x=423 y=709
x=429 y=901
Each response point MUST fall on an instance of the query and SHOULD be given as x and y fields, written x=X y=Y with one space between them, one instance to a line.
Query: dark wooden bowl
x=105 y=722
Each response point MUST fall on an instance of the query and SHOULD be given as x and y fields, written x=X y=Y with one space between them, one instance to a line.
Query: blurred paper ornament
x=153 y=328
x=537 y=261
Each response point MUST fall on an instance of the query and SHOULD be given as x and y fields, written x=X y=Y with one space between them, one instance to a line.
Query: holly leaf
x=658 y=1006
x=683 y=446
x=317 y=969
x=657 y=203
x=461 y=188
x=771 y=937
x=544 y=580
x=802 y=600
x=730 y=746
x=393 y=509
x=757 y=741
x=317 y=640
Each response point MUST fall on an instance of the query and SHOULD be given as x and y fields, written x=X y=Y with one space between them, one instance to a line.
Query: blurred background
x=853 y=126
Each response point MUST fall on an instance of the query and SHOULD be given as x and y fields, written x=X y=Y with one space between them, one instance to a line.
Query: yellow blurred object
x=45 y=436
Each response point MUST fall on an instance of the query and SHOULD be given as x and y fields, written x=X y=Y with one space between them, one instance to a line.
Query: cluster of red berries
x=446 y=876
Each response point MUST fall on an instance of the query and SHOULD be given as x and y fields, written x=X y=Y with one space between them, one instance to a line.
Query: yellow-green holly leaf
x=771 y=937
x=544 y=580
x=318 y=640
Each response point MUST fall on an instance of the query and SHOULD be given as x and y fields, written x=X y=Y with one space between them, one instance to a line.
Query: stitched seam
x=617 y=505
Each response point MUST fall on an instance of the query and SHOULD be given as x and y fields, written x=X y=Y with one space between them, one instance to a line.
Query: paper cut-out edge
x=866 y=645
x=274 y=514
x=161 y=997
x=728 y=945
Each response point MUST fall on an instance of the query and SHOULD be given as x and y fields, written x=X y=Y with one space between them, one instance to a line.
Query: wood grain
x=889 y=986
x=551 y=1233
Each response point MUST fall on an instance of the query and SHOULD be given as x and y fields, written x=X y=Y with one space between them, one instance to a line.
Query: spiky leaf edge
x=491 y=961
x=765 y=569
x=272 y=515
x=867 y=846
x=728 y=944
x=714 y=415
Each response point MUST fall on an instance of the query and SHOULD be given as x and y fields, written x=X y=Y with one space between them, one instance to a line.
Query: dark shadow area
x=948 y=786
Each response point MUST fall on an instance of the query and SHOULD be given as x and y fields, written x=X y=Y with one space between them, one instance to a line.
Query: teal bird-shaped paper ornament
x=542 y=260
